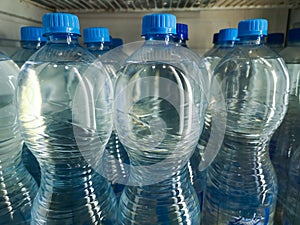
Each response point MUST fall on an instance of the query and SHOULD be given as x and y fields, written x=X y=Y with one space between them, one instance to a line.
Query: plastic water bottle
x=275 y=41
x=31 y=40
x=226 y=39
x=182 y=34
x=287 y=137
x=291 y=213
x=197 y=177
x=241 y=182
x=64 y=106
x=115 y=161
x=158 y=112
x=17 y=187
x=215 y=45
x=97 y=40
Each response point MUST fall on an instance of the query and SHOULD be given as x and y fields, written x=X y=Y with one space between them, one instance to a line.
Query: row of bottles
x=124 y=145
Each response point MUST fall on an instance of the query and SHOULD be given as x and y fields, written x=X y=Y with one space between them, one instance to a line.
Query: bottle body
x=160 y=203
x=64 y=107
x=18 y=189
x=291 y=213
x=287 y=142
x=242 y=185
x=159 y=128
x=20 y=57
x=116 y=164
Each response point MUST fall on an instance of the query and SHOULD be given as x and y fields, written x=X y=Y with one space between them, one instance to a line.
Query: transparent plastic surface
x=159 y=110
x=241 y=183
x=116 y=164
x=287 y=143
x=64 y=106
x=20 y=57
x=98 y=49
x=24 y=53
x=291 y=214
x=17 y=187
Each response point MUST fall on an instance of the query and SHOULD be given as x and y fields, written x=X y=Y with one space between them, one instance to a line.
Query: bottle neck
x=102 y=46
x=63 y=38
x=227 y=44
x=167 y=38
x=252 y=40
x=31 y=44
x=181 y=42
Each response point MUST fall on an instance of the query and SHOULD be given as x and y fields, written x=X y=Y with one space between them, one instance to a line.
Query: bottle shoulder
x=62 y=52
x=291 y=54
x=23 y=54
x=168 y=53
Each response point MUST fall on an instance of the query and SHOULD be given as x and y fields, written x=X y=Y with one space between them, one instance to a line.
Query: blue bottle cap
x=252 y=27
x=182 y=31
x=228 y=34
x=215 y=38
x=294 y=35
x=275 y=38
x=159 y=24
x=62 y=23
x=117 y=42
x=96 y=34
x=30 y=33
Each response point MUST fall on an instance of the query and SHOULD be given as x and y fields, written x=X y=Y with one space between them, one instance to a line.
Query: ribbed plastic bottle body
x=291 y=213
x=172 y=201
x=17 y=187
x=20 y=57
x=242 y=184
x=64 y=106
x=287 y=144
x=158 y=112
x=116 y=164
x=27 y=50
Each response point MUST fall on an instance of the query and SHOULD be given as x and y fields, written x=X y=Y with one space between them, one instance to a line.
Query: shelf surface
x=158 y=5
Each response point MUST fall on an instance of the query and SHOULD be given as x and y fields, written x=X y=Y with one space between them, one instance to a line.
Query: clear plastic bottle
x=115 y=161
x=17 y=187
x=241 y=181
x=158 y=112
x=31 y=40
x=215 y=45
x=275 y=41
x=226 y=39
x=97 y=40
x=288 y=135
x=65 y=111
x=291 y=213
x=182 y=34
